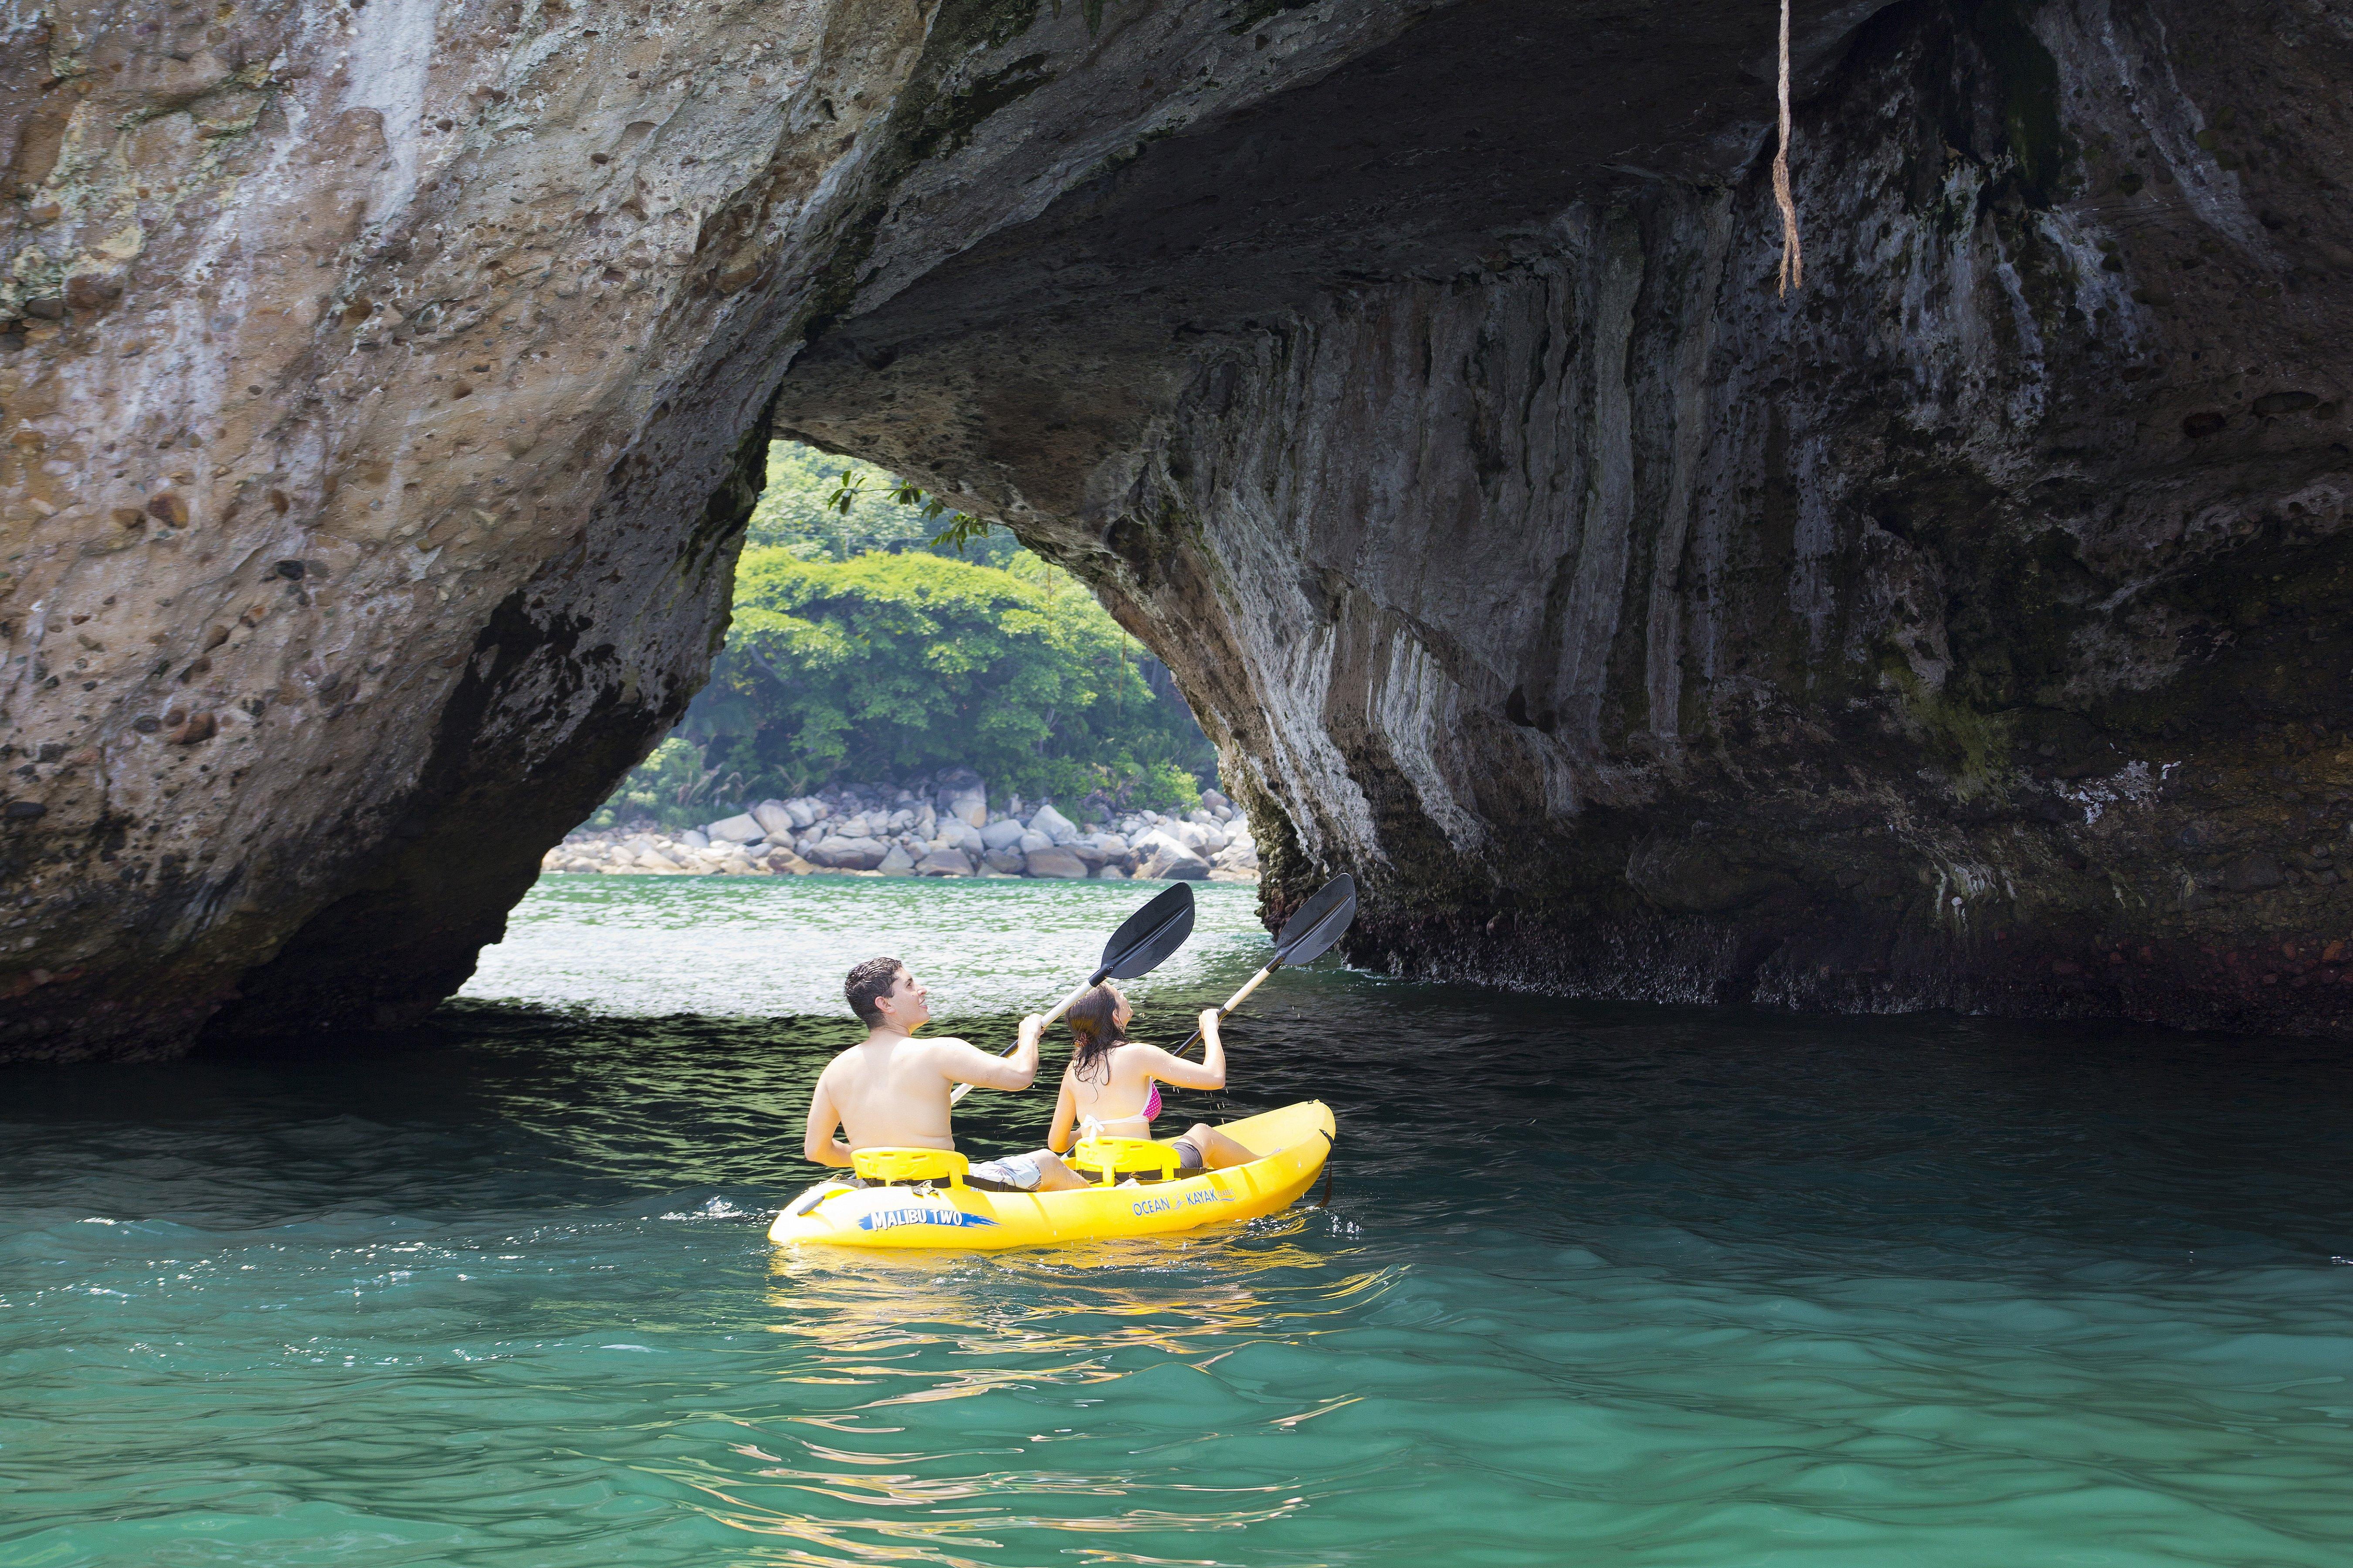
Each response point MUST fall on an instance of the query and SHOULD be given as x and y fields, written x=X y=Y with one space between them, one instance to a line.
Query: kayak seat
x=1116 y=1157
x=892 y=1166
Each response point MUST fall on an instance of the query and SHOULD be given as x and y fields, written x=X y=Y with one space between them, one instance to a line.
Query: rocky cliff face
x=383 y=387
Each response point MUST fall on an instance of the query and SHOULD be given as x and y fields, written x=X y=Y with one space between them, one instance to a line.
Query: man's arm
x=818 y=1144
x=963 y=1063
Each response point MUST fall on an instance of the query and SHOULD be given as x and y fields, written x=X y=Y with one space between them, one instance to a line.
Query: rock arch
x=386 y=384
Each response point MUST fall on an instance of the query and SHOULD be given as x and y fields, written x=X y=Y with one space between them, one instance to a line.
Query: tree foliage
x=885 y=665
x=863 y=648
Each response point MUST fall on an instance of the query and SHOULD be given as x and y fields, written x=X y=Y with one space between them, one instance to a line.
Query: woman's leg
x=1218 y=1151
x=1053 y=1176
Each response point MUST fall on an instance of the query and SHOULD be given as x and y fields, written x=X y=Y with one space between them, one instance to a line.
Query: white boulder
x=944 y=863
x=845 y=854
x=1060 y=864
x=968 y=804
x=693 y=841
x=1002 y=835
x=1162 y=855
x=774 y=819
x=897 y=862
x=745 y=829
x=1030 y=843
x=1056 y=828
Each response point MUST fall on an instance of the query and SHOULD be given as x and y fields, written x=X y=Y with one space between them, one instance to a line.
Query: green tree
x=878 y=636
x=885 y=665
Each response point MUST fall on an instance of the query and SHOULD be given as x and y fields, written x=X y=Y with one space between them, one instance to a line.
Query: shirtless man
x=890 y=1089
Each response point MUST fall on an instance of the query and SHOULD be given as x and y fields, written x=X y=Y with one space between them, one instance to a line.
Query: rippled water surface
x=1593 y=1285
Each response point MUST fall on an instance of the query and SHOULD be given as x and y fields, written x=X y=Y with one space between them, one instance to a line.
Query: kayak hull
x=966 y=1219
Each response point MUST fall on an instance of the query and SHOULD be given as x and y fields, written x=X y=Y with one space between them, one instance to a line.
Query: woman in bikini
x=1112 y=1087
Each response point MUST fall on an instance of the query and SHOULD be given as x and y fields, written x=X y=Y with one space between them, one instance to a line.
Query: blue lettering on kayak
x=890 y=1219
x=1166 y=1205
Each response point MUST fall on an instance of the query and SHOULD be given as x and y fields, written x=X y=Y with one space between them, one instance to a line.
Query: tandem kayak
x=1298 y=1138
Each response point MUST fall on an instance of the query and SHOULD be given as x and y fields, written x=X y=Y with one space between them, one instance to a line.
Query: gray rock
x=1002 y=835
x=1057 y=863
x=694 y=838
x=896 y=862
x=846 y=854
x=1191 y=835
x=1008 y=861
x=944 y=863
x=1111 y=872
x=968 y=805
x=1032 y=841
x=775 y=818
x=745 y=829
x=1167 y=858
x=1176 y=866
x=1058 y=828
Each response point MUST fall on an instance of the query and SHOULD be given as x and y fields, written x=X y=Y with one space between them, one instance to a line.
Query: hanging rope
x=1793 y=259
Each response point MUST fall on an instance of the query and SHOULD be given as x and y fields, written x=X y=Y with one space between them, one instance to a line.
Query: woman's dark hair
x=1094 y=1032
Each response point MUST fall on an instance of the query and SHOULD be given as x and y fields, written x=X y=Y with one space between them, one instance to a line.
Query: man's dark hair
x=870 y=978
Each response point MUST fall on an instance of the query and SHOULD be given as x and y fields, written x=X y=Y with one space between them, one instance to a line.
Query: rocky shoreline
x=938 y=828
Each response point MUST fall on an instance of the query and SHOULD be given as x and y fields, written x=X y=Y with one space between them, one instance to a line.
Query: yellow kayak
x=1298 y=1138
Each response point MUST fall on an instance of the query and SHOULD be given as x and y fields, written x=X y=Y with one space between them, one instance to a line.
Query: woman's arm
x=1176 y=1070
x=1066 y=1111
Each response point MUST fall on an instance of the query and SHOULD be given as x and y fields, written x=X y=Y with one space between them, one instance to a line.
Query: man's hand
x=1208 y=1020
x=1033 y=1027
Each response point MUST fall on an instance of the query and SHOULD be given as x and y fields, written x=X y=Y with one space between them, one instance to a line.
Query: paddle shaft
x=1064 y=1005
x=1232 y=1002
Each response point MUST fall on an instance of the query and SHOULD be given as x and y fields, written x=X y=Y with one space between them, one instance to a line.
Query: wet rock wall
x=1965 y=630
x=382 y=387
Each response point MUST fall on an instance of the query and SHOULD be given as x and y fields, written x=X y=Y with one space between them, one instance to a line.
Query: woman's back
x=1117 y=1097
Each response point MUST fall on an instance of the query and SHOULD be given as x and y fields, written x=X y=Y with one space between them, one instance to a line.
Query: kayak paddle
x=1305 y=936
x=1137 y=947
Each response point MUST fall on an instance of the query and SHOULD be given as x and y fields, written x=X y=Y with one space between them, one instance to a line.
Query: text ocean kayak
x=964 y=1218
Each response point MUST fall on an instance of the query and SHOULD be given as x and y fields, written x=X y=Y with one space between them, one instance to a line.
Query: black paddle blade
x=1149 y=935
x=1319 y=922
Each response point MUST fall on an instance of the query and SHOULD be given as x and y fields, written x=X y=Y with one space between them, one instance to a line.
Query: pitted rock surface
x=384 y=390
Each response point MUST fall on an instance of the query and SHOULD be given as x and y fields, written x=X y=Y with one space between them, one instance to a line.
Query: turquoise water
x=1594 y=1286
